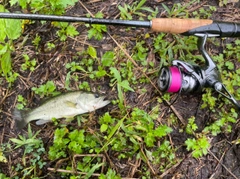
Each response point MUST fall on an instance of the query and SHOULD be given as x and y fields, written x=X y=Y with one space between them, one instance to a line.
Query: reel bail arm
x=213 y=77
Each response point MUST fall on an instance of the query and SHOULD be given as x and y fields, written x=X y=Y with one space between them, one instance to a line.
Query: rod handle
x=177 y=26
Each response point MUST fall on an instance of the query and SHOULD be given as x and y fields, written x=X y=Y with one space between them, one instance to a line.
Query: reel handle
x=176 y=25
x=189 y=27
x=221 y=89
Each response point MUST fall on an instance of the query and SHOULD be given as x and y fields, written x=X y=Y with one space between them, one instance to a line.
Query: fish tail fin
x=20 y=118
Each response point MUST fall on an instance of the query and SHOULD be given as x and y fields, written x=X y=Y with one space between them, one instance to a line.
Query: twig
x=135 y=166
x=70 y=171
x=3 y=131
x=197 y=7
x=86 y=8
x=84 y=43
x=5 y=96
x=149 y=165
x=7 y=113
x=214 y=156
x=93 y=1
x=213 y=175
x=170 y=169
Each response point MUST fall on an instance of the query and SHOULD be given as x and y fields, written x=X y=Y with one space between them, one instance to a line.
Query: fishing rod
x=168 y=25
x=181 y=77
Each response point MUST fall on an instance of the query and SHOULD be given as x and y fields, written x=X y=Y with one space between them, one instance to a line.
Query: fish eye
x=96 y=95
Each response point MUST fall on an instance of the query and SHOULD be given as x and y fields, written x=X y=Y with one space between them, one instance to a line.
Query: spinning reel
x=185 y=78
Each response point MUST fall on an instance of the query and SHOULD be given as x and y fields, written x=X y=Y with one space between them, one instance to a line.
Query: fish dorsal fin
x=71 y=104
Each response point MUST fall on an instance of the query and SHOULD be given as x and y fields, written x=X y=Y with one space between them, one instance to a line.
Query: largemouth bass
x=66 y=105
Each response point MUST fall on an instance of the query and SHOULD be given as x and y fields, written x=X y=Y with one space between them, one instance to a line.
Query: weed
x=59 y=144
x=208 y=100
x=84 y=86
x=127 y=11
x=92 y=52
x=141 y=53
x=50 y=46
x=205 y=12
x=88 y=61
x=125 y=136
x=10 y=31
x=76 y=141
x=228 y=67
x=163 y=49
x=44 y=6
x=107 y=59
x=177 y=10
x=29 y=64
x=232 y=50
x=85 y=66
x=121 y=84
x=164 y=155
x=2 y=176
x=66 y=30
x=96 y=30
x=46 y=90
x=183 y=47
x=21 y=102
x=191 y=126
x=199 y=146
x=127 y=72
x=138 y=128
x=2 y=157
x=36 y=41
x=110 y=174
x=34 y=147
x=223 y=123
x=222 y=2
x=74 y=66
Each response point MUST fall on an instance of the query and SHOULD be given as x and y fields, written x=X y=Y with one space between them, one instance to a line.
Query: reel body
x=185 y=78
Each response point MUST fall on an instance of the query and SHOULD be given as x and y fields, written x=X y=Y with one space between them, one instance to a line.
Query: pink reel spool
x=170 y=79
x=176 y=80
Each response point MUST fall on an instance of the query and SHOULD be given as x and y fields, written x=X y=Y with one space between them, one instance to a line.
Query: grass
x=136 y=128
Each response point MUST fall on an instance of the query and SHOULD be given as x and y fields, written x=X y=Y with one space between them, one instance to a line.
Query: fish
x=65 y=105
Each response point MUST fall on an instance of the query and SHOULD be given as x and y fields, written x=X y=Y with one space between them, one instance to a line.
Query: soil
x=223 y=160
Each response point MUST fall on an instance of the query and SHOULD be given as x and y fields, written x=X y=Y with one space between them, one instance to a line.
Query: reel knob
x=170 y=79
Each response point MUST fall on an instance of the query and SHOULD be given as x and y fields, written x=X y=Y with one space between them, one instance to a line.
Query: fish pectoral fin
x=71 y=104
x=42 y=121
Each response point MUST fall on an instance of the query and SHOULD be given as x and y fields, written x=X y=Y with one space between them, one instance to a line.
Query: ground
x=222 y=160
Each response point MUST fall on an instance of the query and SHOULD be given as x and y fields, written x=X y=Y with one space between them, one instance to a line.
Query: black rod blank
x=40 y=17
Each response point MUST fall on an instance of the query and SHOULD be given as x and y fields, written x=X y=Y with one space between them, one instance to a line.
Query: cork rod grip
x=177 y=26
